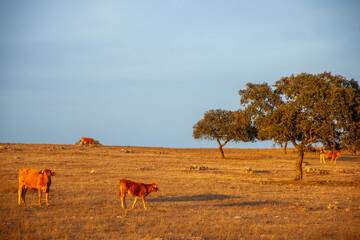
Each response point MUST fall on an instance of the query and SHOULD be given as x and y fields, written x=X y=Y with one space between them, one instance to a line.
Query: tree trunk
x=299 y=161
x=221 y=148
x=299 y=171
x=221 y=152
x=285 y=147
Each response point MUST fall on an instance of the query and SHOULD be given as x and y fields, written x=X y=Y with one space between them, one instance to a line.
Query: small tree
x=225 y=126
x=306 y=109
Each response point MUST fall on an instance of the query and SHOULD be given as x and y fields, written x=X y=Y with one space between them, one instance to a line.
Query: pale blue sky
x=142 y=73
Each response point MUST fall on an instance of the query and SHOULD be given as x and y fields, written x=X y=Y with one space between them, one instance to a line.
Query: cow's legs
x=143 y=199
x=136 y=198
x=122 y=197
x=21 y=194
x=40 y=195
x=322 y=158
x=47 y=198
x=24 y=193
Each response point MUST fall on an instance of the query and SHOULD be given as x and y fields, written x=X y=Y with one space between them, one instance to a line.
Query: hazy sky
x=142 y=73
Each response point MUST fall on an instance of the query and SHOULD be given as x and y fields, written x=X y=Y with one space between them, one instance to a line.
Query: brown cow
x=136 y=190
x=329 y=154
x=88 y=141
x=35 y=180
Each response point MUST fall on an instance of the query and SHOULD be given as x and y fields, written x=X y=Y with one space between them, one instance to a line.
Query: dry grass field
x=224 y=200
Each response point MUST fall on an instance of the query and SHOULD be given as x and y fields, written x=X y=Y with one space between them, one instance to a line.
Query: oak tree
x=225 y=126
x=306 y=109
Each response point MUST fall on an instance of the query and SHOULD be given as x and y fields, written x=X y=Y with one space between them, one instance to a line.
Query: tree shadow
x=213 y=197
x=347 y=158
x=193 y=198
x=240 y=204
x=262 y=171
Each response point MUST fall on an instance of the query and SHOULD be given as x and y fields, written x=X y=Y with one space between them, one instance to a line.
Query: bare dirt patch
x=249 y=195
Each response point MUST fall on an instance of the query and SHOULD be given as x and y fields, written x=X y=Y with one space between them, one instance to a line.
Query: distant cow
x=136 y=190
x=329 y=154
x=86 y=141
x=35 y=180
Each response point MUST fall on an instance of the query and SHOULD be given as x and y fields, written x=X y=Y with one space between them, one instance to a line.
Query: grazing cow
x=329 y=154
x=136 y=190
x=88 y=141
x=35 y=180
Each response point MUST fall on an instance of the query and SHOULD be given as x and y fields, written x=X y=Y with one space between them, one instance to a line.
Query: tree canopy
x=306 y=109
x=225 y=126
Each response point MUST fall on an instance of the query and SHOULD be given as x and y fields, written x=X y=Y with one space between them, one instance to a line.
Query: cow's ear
x=53 y=173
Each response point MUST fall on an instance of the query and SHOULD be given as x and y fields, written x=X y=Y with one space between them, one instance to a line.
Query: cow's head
x=45 y=179
x=154 y=187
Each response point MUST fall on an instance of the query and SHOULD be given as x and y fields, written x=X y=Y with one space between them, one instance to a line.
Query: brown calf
x=35 y=180
x=136 y=190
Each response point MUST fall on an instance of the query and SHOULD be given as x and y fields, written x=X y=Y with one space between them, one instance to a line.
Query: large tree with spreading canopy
x=306 y=109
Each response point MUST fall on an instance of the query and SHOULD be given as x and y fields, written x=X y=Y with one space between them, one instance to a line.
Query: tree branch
x=221 y=145
x=293 y=141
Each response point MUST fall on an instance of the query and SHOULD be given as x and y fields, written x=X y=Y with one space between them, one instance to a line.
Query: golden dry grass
x=225 y=201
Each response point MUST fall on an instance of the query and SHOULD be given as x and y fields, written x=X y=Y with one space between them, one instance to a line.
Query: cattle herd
x=40 y=180
x=329 y=154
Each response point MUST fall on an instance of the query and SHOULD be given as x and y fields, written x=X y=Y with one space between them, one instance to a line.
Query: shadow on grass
x=262 y=171
x=214 y=197
x=195 y=198
x=239 y=204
